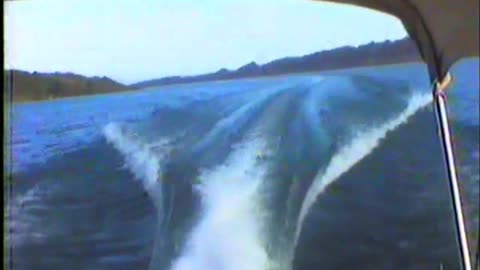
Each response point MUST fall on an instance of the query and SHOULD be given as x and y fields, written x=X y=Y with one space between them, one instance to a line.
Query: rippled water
x=317 y=171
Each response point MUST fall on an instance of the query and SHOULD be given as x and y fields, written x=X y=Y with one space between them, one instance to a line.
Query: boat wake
x=229 y=232
x=143 y=160
x=230 y=224
x=347 y=156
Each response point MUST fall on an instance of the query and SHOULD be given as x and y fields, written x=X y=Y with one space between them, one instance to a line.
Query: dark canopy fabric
x=444 y=30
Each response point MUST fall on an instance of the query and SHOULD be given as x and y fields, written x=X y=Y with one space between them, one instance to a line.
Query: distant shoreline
x=22 y=102
x=132 y=91
x=279 y=75
x=371 y=54
x=40 y=87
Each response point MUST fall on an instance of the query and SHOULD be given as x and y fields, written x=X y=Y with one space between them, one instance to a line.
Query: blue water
x=310 y=171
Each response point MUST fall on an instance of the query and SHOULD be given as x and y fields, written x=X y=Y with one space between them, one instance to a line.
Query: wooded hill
x=27 y=86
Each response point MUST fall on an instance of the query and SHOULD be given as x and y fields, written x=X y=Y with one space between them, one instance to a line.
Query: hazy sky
x=131 y=41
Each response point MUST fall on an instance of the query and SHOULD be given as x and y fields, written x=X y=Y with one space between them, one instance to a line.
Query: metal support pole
x=439 y=98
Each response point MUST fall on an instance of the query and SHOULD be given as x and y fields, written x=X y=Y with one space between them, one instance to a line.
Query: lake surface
x=335 y=170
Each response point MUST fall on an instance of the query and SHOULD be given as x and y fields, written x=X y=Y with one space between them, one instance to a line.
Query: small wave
x=238 y=119
x=21 y=224
x=140 y=158
x=347 y=156
x=231 y=219
x=20 y=141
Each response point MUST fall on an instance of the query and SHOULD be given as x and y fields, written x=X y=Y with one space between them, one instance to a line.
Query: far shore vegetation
x=23 y=86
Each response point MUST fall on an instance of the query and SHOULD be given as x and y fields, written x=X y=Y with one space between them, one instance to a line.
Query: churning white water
x=229 y=234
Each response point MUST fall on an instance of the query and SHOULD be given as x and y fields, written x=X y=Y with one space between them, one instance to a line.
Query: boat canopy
x=443 y=30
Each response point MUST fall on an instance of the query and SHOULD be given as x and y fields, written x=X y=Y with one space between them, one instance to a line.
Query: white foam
x=140 y=158
x=359 y=147
x=228 y=235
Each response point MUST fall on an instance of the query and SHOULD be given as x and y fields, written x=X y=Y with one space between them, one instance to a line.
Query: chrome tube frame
x=439 y=97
